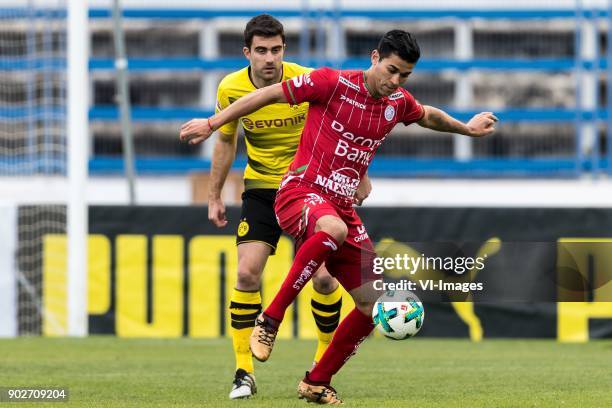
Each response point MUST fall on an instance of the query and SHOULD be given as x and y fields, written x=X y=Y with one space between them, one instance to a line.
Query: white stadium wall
x=177 y=190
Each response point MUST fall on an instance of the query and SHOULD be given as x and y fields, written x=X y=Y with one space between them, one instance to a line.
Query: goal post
x=78 y=136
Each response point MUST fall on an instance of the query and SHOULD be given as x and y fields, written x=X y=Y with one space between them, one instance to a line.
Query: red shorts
x=297 y=211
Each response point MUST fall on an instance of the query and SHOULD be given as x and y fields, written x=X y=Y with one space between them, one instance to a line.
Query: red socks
x=352 y=331
x=311 y=255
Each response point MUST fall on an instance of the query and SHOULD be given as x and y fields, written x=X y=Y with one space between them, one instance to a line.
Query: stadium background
x=541 y=66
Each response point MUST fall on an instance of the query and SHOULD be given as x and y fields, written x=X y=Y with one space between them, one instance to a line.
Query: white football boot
x=243 y=385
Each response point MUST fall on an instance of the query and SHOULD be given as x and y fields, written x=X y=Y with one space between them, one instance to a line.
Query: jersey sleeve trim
x=416 y=111
x=422 y=112
x=288 y=92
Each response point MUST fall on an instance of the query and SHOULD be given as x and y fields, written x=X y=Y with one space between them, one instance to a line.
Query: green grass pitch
x=112 y=372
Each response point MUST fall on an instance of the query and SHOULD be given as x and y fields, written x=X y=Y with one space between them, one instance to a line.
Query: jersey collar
x=365 y=84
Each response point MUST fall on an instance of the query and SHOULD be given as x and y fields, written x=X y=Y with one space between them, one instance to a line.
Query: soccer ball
x=398 y=314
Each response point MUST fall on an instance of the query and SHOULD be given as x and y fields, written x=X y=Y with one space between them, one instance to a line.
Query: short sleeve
x=315 y=86
x=413 y=110
x=222 y=103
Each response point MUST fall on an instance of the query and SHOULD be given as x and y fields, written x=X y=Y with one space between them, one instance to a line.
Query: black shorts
x=257 y=219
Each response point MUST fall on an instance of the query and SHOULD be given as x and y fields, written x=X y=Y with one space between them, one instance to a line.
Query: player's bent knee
x=334 y=226
x=248 y=278
x=324 y=283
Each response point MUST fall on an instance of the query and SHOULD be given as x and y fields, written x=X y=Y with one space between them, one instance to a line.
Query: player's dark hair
x=263 y=25
x=401 y=43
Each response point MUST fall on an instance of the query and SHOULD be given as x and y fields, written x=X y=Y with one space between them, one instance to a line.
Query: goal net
x=36 y=186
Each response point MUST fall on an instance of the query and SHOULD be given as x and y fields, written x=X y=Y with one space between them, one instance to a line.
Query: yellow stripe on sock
x=245 y=303
x=322 y=313
x=326 y=300
x=239 y=296
x=329 y=298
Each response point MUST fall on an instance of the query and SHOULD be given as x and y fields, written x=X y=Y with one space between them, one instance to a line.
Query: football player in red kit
x=349 y=116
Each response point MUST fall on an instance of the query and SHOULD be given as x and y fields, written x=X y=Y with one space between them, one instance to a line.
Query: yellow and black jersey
x=271 y=134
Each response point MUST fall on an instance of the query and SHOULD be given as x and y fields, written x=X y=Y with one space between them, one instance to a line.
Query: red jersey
x=344 y=128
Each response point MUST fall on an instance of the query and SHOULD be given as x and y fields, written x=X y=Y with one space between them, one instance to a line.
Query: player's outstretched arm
x=223 y=157
x=198 y=130
x=482 y=124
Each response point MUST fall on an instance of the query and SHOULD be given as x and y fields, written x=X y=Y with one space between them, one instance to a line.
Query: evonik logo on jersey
x=273 y=123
